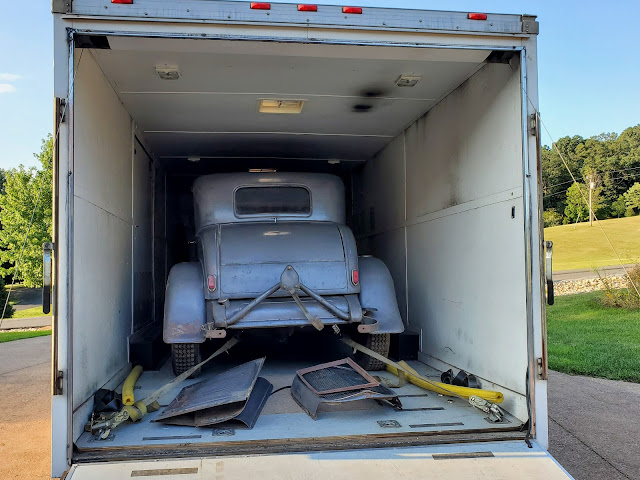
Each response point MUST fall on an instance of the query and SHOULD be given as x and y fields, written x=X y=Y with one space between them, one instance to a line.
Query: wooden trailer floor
x=282 y=420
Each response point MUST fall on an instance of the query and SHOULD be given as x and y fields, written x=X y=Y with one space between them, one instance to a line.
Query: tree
x=3 y=298
x=26 y=190
x=577 y=207
x=551 y=218
x=632 y=198
x=619 y=207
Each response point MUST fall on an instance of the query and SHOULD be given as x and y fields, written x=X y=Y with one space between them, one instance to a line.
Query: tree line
x=25 y=206
x=607 y=164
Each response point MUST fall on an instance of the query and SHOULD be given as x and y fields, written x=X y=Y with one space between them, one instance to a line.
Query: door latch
x=47 y=250
x=549 y=271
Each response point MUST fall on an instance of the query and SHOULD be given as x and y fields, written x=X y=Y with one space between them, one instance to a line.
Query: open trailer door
x=503 y=460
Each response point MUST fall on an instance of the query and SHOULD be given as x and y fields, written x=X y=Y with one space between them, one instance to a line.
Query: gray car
x=274 y=252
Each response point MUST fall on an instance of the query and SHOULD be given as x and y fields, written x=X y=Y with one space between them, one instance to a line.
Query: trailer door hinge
x=541 y=371
x=59 y=382
x=529 y=24
x=534 y=124
x=61 y=6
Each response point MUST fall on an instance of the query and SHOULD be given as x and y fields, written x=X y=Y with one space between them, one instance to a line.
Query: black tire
x=378 y=343
x=185 y=356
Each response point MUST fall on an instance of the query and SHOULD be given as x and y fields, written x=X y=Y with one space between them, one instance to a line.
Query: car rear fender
x=378 y=295
x=184 y=305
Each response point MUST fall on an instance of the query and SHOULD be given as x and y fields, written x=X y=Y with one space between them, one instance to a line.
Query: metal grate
x=334 y=377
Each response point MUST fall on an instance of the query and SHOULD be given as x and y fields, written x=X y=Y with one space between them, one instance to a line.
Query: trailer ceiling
x=212 y=109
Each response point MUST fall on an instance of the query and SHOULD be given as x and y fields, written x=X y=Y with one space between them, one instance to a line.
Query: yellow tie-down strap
x=402 y=368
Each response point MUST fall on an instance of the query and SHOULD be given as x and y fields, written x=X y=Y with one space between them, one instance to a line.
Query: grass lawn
x=29 y=312
x=586 y=338
x=582 y=246
x=11 y=336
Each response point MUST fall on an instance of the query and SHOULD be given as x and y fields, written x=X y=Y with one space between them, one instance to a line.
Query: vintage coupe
x=274 y=252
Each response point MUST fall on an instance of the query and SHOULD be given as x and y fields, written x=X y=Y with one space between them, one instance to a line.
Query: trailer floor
x=282 y=420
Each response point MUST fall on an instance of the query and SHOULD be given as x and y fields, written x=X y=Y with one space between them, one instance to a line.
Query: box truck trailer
x=430 y=121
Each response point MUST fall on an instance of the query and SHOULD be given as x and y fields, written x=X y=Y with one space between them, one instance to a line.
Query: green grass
x=11 y=336
x=586 y=338
x=29 y=312
x=582 y=246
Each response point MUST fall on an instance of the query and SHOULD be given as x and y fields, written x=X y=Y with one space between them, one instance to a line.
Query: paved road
x=28 y=322
x=28 y=298
x=25 y=409
x=595 y=427
x=585 y=273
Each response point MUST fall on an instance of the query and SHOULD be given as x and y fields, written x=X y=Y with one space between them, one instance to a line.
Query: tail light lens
x=355 y=277
x=352 y=10
x=260 y=6
x=307 y=8
x=211 y=283
x=477 y=16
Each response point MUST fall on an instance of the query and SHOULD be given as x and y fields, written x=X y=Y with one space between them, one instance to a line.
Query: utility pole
x=592 y=185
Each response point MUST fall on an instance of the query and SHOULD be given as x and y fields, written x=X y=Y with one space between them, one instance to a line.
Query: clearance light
x=128 y=2
x=274 y=105
x=352 y=10
x=307 y=8
x=355 y=277
x=211 y=283
x=477 y=16
x=260 y=6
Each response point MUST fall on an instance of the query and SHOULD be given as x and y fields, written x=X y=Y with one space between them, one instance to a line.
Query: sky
x=589 y=66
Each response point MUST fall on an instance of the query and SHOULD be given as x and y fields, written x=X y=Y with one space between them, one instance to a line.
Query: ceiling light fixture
x=168 y=72
x=193 y=159
x=408 y=80
x=275 y=105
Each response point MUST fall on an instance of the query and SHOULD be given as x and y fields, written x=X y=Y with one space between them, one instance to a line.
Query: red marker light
x=307 y=8
x=355 y=277
x=477 y=16
x=211 y=283
x=128 y=2
x=260 y=6
x=351 y=9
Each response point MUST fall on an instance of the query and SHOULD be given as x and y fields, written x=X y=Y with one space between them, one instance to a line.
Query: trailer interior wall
x=442 y=205
x=435 y=203
x=112 y=236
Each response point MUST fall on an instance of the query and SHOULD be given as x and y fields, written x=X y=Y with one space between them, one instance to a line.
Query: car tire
x=379 y=343
x=185 y=356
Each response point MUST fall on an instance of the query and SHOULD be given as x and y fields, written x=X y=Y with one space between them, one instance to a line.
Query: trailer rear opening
x=430 y=136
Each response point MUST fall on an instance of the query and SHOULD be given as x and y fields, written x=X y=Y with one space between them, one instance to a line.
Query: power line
x=633 y=284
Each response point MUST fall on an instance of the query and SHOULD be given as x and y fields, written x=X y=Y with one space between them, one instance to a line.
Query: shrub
x=626 y=297
x=3 y=298
x=551 y=218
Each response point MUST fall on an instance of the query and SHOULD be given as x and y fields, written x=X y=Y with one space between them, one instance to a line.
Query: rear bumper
x=283 y=312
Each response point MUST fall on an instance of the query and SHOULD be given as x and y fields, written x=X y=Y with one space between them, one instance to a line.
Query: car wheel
x=379 y=343
x=185 y=356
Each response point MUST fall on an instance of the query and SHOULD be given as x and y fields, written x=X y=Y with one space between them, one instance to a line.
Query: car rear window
x=273 y=200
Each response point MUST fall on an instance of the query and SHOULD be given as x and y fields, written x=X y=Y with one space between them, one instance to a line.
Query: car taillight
x=128 y=2
x=351 y=9
x=307 y=8
x=211 y=283
x=355 y=277
x=260 y=6
x=477 y=16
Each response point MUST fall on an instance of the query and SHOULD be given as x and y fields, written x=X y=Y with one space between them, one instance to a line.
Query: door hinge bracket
x=534 y=125
x=529 y=24
x=541 y=371
x=61 y=6
x=59 y=382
